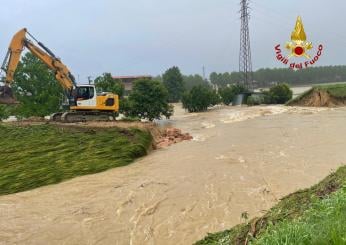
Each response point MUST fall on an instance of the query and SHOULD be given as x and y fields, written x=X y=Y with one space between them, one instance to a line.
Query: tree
x=148 y=99
x=36 y=88
x=173 y=81
x=280 y=93
x=224 y=79
x=106 y=83
x=227 y=94
x=199 y=98
x=266 y=77
x=193 y=80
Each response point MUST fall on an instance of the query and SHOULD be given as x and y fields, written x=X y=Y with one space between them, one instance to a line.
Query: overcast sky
x=129 y=37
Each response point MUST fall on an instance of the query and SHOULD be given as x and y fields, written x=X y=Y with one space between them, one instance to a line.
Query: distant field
x=33 y=156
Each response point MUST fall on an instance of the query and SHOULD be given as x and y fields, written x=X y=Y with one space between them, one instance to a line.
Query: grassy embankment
x=34 y=156
x=312 y=216
x=337 y=91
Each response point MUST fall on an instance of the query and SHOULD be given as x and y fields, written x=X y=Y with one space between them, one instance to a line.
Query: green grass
x=310 y=216
x=336 y=90
x=34 y=156
x=323 y=223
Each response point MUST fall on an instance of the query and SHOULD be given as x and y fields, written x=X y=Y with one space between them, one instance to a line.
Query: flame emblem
x=298 y=44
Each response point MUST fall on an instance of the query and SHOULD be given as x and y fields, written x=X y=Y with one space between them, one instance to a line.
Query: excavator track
x=82 y=116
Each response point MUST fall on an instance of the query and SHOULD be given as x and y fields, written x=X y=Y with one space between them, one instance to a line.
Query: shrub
x=4 y=112
x=250 y=101
x=227 y=94
x=199 y=98
x=258 y=99
x=280 y=94
x=266 y=97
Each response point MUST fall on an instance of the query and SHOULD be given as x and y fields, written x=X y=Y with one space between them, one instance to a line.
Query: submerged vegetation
x=38 y=155
x=312 y=216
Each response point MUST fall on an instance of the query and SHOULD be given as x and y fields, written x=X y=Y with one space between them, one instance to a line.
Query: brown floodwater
x=241 y=160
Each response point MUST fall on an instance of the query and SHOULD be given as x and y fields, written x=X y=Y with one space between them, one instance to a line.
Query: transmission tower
x=245 y=64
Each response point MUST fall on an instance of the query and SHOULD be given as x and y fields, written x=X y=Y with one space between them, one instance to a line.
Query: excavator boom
x=12 y=58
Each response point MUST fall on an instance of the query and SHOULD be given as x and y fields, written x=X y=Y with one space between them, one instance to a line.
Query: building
x=128 y=81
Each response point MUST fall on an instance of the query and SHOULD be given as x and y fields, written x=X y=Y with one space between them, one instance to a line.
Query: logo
x=298 y=48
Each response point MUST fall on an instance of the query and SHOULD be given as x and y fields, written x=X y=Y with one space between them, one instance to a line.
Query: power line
x=245 y=63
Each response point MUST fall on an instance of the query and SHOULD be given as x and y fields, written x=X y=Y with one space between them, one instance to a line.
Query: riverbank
x=310 y=216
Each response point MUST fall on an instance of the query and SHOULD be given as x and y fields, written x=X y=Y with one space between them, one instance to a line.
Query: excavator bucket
x=6 y=96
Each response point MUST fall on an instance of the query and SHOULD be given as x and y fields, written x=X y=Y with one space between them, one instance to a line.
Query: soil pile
x=318 y=98
x=172 y=136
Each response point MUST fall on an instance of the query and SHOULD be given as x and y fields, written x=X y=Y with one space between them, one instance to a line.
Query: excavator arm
x=9 y=66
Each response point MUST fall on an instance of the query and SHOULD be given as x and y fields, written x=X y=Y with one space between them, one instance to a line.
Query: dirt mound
x=172 y=136
x=318 y=98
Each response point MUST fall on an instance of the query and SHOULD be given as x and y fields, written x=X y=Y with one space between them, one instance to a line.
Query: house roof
x=132 y=77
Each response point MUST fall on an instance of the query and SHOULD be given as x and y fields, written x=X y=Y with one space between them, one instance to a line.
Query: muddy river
x=241 y=160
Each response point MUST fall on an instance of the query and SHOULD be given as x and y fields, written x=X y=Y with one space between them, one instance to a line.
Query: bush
x=266 y=97
x=124 y=106
x=280 y=94
x=258 y=99
x=227 y=94
x=199 y=98
x=148 y=99
x=250 y=101
x=4 y=112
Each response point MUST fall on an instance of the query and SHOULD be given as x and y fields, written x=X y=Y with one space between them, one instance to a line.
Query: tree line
x=266 y=77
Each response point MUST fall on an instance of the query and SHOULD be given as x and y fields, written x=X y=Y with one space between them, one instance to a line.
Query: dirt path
x=241 y=159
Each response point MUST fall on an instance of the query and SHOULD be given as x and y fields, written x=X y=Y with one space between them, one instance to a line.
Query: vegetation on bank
x=199 y=98
x=174 y=83
x=227 y=94
x=34 y=156
x=323 y=223
x=147 y=100
x=311 y=216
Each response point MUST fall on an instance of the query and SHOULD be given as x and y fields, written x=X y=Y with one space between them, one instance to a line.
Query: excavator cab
x=85 y=95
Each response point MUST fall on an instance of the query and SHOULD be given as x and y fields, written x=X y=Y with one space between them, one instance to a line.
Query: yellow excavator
x=81 y=101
